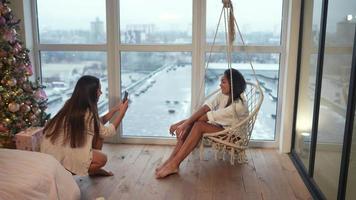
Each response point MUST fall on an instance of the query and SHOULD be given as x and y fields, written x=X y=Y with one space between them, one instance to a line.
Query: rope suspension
x=229 y=23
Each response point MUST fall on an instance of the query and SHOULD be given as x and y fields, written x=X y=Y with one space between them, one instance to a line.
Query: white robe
x=224 y=116
x=76 y=160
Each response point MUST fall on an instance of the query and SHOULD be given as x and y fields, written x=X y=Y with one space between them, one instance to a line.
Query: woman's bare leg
x=174 y=152
x=98 y=161
x=189 y=144
x=179 y=144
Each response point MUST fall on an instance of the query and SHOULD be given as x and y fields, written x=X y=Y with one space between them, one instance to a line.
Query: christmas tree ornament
x=33 y=118
x=40 y=95
x=7 y=121
x=13 y=107
x=23 y=79
x=11 y=60
x=27 y=87
x=12 y=82
x=2 y=20
x=14 y=50
x=22 y=66
x=5 y=10
x=18 y=46
x=12 y=94
x=19 y=92
x=25 y=108
x=29 y=71
x=3 y=54
x=38 y=112
x=6 y=96
x=8 y=36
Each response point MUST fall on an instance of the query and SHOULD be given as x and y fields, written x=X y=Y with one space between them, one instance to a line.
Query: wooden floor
x=268 y=175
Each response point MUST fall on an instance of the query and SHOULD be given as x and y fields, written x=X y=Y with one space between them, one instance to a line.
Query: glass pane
x=351 y=179
x=59 y=22
x=159 y=84
x=156 y=22
x=307 y=79
x=61 y=70
x=257 y=26
x=334 y=93
x=267 y=70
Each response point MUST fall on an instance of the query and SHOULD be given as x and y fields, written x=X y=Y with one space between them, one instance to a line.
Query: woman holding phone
x=74 y=136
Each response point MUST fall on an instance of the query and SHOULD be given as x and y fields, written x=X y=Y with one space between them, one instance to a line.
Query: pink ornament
x=2 y=21
x=22 y=66
x=7 y=36
x=27 y=87
x=29 y=71
x=12 y=82
x=13 y=107
x=25 y=108
x=18 y=45
x=15 y=50
x=40 y=95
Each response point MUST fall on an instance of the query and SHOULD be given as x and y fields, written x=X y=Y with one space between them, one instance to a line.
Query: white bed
x=33 y=175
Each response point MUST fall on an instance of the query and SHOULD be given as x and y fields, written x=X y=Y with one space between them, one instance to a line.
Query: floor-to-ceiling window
x=156 y=50
x=71 y=44
x=339 y=37
x=308 y=63
x=159 y=80
x=325 y=71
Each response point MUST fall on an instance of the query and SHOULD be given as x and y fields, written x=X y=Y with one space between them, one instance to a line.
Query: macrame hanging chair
x=235 y=139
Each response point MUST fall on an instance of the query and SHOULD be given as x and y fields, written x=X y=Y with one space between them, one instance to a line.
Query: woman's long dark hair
x=72 y=115
x=238 y=84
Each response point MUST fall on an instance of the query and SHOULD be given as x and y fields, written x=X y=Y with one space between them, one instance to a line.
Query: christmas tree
x=22 y=102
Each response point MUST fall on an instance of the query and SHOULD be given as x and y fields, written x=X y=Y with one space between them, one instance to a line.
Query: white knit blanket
x=32 y=175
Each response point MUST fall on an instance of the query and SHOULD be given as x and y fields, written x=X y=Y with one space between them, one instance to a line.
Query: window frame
x=198 y=49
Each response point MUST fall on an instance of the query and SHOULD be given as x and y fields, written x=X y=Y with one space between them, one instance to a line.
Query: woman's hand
x=174 y=127
x=122 y=107
x=182 y=129
x=117 y=107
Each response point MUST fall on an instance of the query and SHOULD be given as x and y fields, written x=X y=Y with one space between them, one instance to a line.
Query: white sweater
x=77 y=160
x=224 y=116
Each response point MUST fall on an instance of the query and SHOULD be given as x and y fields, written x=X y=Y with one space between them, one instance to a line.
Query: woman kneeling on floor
x=75 y=135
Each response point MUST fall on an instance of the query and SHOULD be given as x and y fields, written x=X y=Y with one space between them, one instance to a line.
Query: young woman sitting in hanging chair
x=213 y=116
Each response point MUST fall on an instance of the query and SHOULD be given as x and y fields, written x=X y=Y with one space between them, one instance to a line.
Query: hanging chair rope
x=229 y=23
x=248 y=54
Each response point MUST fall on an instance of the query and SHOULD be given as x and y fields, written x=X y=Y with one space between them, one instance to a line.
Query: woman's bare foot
x=166 y=170
x=101 y=172
x=161 y=166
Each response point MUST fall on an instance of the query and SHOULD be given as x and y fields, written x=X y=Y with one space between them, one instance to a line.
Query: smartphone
x=126 y=94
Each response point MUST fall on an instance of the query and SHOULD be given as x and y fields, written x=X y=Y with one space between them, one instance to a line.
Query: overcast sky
x=255 y=14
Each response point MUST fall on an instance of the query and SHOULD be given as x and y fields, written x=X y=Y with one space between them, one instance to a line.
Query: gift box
x=29 y=139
